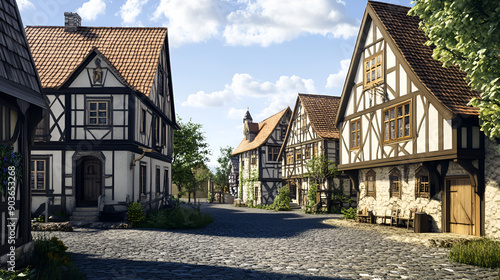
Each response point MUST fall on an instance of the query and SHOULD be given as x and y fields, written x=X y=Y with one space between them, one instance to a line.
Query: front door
x=90 y=184
x=462 y=207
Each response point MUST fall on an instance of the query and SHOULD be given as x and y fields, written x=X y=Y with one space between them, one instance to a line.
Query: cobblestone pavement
x=247 y=243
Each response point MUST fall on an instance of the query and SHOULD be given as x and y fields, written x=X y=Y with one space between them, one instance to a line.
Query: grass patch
x=177 y=218
x=483 y=252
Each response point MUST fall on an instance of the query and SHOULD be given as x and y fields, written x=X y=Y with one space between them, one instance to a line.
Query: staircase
x=85 y=214
x=294 y=206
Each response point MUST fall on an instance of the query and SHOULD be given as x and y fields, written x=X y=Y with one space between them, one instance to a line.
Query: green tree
x=320 y=169
x=224 y=168
x=191 y=151
x=466 y=33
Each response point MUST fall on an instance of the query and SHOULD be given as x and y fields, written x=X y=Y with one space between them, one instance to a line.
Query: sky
x=230 y=55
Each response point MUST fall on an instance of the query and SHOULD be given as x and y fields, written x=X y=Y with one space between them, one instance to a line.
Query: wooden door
x=462 y=204
x=91 y=185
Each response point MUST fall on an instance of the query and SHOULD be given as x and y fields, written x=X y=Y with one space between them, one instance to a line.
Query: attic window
x=374 y=69
x=98 y=112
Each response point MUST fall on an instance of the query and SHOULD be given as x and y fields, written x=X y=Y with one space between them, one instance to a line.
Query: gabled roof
x=266 y=127
x=18 y=75
x=321 y=111
x=448 y=84
x=133 y=51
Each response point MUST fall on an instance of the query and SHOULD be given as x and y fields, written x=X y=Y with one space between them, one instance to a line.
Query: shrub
x=135 y=213
x=311 y=197
x=349 y=213
x=282 y=201
x=480 y=252
x=177 y=218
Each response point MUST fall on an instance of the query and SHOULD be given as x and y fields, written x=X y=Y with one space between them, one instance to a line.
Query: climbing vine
x=252 y=177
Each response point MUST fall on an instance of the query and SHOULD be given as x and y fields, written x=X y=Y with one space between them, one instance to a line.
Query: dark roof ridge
x=109 y=27
x=319 y=95
x=389 y=4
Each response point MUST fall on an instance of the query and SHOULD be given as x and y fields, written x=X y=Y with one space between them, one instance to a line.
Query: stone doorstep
x=401 y=234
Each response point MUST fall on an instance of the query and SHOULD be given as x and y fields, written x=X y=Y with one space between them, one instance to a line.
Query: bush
x=480 y=252
x=135 y=213
x=349 y=213
x=282 y=201
x=311 y=197
x=177 y=218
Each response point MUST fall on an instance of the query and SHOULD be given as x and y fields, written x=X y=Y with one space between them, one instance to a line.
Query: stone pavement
x=246 y=243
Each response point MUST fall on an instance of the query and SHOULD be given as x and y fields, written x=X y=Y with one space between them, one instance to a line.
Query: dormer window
x=374 y=69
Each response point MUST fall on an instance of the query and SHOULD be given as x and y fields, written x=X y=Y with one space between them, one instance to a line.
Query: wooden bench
x=409 y=219
x=365 y=216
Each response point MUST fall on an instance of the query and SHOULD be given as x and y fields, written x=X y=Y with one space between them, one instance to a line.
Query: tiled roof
x=322 y=111
x=447 y=84
x=134 y=52
x=266 y=127
x=18 y=75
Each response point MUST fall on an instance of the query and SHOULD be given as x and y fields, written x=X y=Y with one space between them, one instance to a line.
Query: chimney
x=72 y=21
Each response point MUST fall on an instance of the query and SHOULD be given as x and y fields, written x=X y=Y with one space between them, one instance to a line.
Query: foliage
x=40 y=219
x=282 y=201
x=22 y=274
x=177 y=218
x=240 y=188
x=311 y=197
x=135 y=213
x=190 y=151
x=349 y=213
x=224 y=168
x=52 y=262
x=480 y=252
x=447 y=24
x=249 y=181
x=11 y=163
x=320 y=168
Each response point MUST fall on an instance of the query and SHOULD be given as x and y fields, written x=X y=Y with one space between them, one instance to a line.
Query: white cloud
x=277 y=95
x=337 y=80
x=190 y=21
x=269 y=22
x=25 y=4
x=91 y=9
x=130 y=10
x=235 y=114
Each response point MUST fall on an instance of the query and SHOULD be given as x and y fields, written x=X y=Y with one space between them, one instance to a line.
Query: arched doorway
x=88 y=181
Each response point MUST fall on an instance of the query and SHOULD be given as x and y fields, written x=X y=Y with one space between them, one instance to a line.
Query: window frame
x=422 y=191
x=33 y=182
x=395 y=177
x=298 y=155
x=89 y=111
x=307 y=152
x=357 y=131
x=396 y=119
x=143 y=173
x=290 y=157
x=371 y=174
x=372 y=69
x=272 y=154
x=142 y=128
x=253 y=159
x=157 y=179
x=165 y=181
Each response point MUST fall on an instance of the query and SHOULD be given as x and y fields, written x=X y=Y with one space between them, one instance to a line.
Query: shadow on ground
x=129 y=269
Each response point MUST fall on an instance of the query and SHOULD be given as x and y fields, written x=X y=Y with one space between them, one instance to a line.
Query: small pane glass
x=407 y=126
x=407 y=109
x=373 y=62
x=40 y=165
x=358 y=140
x=358 y=124
x=102 y=106
x=392 y=113
x=400 y=111
x=353 y=127
x=393 y=129
x=386 y=131
x=93 y=106
x=102 y=120
x=368 y=77
x=32 y=180
x=32 y=165
x=379 y=58
x=400 y=128
x=102 y=114
x=93 y=120
x=386 y=118
x=368 y=65
x=379 y=72
x=373 y=75
x=93 y=114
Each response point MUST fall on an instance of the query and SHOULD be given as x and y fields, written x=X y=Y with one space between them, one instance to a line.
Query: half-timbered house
x=311 y=133
x=21 y=108
x=407 y=137
x=108 y=138
x=259 y=168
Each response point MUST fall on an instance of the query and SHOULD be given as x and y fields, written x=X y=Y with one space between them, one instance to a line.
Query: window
x=370 y=183
x=272 y=154
x=253 y=159
x=142 y=178
x=315 y=150
x=307 y=151
x=422 y=185
x=156 y=122
x=165 y=182
x=39 y=174
x=374 y=72
x=143 y=121
x=283 y=133
x=157 y=179
x=304 y=120
x=242 y=162
x=98 y=112
x=298 y=155
x=355 y=127
x=289 y=157
x=395 y=183
x=397 y=122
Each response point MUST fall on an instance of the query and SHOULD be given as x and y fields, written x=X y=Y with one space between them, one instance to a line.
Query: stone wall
x=492 y=190
x=382 y=204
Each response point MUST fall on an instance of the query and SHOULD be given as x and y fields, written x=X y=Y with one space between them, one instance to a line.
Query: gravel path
x=246 y=243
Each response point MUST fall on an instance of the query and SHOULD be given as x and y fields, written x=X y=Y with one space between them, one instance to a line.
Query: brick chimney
x=72 y=21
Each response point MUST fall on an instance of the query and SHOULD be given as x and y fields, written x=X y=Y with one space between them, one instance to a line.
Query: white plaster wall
x=492 y=190
x=382 y=204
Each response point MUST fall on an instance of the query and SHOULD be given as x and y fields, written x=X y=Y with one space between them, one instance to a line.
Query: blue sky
x=227 y=55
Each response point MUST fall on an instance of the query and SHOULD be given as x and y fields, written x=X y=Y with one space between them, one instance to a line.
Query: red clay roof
x=447 y=84
x=322 y=111
x=266 y=127
x=134 y=52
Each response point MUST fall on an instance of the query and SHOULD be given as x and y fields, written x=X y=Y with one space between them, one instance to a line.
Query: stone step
x=86 y=209
x=84 y=218
x=87 y=214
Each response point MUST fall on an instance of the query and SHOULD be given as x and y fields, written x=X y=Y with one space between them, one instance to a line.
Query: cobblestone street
x=246 y=243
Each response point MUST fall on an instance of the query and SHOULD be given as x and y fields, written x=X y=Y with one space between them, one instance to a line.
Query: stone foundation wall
x=492 y=190
x=382 y=204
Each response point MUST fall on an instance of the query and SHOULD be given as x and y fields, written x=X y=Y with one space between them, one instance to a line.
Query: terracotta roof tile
x=322 y=111
x=447 y=84
x=134 y=52
x=266 y=127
